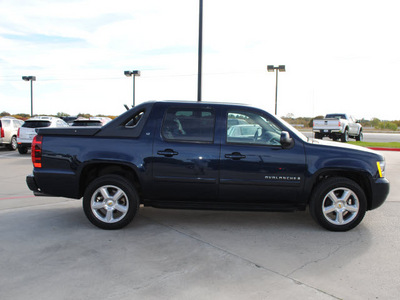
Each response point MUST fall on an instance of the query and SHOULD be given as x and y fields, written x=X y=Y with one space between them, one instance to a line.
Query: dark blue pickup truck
x=201 y=155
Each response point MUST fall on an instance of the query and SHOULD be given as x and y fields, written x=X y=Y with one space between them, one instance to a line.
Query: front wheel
x=360 y=137
x=338 y=204
x=110 y=202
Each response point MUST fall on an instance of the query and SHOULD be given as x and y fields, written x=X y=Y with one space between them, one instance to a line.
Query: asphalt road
x=49 y=250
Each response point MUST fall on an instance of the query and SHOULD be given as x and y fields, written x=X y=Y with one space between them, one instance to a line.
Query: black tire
x=345 y=136
x=22 y=150
x=318 y=135
x=360 y=137
x=338 y=204
x=13 y=144
x=110 y=202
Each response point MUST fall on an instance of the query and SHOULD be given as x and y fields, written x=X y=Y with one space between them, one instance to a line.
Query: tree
x=289 y=116
x=83 y=115
x=4 y=114
x=375 y=122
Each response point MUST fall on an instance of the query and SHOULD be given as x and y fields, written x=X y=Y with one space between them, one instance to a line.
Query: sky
x=340 y=56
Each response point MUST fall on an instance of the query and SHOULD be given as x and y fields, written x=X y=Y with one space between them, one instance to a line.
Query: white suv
x=28 y=130
x=8 y=131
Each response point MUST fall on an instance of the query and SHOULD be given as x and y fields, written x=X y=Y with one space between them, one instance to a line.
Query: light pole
x=133 y=74
x=200 y=52
x=31 y=79
x=280 y=68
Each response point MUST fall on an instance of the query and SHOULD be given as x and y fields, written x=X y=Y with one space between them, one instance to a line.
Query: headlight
x=381 y=168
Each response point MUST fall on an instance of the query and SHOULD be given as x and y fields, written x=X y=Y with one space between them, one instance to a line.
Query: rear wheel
x=23 y=150
x=110 y=202
x=318 y=135
x=13 y=145
x=345 y=136
x=338 y=204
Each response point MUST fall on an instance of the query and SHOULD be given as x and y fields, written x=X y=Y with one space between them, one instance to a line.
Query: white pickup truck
x=338 y=126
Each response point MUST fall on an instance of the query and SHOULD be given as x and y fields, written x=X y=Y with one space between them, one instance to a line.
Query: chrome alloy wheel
x=340 y=206
x=109 y=204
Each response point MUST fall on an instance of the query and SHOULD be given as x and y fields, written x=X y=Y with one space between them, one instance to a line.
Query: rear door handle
x=167 y=152
x=235 y=156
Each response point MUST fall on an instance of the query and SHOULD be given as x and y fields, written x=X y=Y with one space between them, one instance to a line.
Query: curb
x=384 y=149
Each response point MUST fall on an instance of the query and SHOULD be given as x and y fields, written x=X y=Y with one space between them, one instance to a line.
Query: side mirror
x=286 y=140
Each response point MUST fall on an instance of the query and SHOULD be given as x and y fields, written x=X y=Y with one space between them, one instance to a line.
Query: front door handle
x=167 y=152
x=235 y=156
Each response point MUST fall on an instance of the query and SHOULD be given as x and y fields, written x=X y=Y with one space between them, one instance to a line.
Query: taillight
x=37 y=151
x=2 y=132
x=18 y=132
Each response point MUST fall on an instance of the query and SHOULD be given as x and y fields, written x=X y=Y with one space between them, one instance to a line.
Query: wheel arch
x=95 y=170
x=361 y=178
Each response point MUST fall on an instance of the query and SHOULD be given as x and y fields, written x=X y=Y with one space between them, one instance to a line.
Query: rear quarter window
x=5 y=123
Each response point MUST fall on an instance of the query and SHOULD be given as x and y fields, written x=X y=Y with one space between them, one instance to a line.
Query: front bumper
x=380 y=191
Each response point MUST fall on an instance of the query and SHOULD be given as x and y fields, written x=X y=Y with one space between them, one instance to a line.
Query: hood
x=340 y=145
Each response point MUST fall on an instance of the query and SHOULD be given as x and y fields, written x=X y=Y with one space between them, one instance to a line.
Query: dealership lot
x=48 y=250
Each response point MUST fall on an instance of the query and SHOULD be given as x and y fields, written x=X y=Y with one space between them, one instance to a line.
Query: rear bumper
x=54 y=184
x=380 y=191
x=327 y=131
x=31 y=183
x=24 y=145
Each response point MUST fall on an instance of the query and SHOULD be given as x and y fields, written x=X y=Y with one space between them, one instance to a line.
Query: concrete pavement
x=48 y=250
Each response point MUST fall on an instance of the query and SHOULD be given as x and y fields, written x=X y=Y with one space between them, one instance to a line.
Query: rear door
x=186 y=155
x=256 y=170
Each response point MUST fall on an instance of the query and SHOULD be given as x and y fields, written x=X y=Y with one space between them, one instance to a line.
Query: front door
x=255 y=169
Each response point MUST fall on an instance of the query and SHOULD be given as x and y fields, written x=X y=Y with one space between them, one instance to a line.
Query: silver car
x=28 y=130
x=8 y=132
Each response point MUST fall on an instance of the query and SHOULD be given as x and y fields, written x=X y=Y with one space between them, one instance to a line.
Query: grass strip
x=377 y=145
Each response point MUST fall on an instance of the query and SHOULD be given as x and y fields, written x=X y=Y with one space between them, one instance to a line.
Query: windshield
x=86 y=123
x=335 y=116
x=36 y=124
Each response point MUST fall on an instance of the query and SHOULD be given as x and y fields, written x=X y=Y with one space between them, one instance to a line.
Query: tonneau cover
x=76 y=131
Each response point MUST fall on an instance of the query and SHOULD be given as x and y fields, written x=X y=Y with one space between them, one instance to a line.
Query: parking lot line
x=19 y=197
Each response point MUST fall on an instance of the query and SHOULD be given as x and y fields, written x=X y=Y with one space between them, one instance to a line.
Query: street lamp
x=31 y=79
x=280 y=68
x=200 y=51
x=132 y=74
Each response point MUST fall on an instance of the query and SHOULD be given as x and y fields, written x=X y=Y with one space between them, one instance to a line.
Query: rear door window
x=189 y=124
